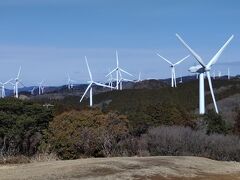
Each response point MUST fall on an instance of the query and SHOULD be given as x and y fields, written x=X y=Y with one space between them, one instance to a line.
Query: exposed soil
x=153 y=168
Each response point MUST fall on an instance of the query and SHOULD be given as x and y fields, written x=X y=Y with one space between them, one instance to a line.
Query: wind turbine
x=204 y=68
x=123 y=79
x=173 y=73
x=219 y=74
x=214 y=75
x=32 y=90
x=91 y=83
x=110 y=81
x=40 y=88
x=3 y=87
x=118 y=70
x=181 y=81
x=17 y=81
x=70 y=82
x=139 y=77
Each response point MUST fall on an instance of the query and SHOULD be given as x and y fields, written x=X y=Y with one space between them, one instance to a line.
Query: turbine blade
x=103 y=85
x=19 y=71
x=117 y=59
x=164 y=59
x=125 y=72
x=127 y=80
x=181 y=60
x=216 y=56
x=212 y=93
x=8 y=81
x=111 y=72
x=197 y=57
x=90 y=74
x=21 y=83
x=85 y=92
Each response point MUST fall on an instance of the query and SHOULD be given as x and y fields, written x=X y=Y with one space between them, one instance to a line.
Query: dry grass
x=167 y=167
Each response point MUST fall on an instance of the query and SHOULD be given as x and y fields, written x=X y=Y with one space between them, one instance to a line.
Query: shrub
x=21 y=126
x=215 y=123
x=237 y=123
x=183 y=141
x=165 y=113
x=86 y=133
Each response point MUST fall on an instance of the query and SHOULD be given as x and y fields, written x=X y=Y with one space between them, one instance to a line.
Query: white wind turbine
x=32 y=90
x=91 y=83
x=139 y=77
x=70 y=82
x=204 y=68
x=181 y=80
x=118 y=70
x=3 y=87
x=214 y=75
x=173 y=73
x=40 y=88
x=123 y=79
x=219 y=74
x=110 y=81
x=17 y=81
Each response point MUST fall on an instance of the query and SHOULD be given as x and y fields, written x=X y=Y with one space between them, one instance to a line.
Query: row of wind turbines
x=14 y=82
x=201 y=71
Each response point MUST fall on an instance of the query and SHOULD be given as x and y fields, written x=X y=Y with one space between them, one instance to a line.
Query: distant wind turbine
x=123 y=79
x=17 y=81
x=219 y=74
x=40 y=87
x=214 y=75
x=91 y=83
x=139 y=77
x=118 y=70
x=110 y=81
x=32 y=90
x=173 y=73
x=3 y=87
x=70 y=82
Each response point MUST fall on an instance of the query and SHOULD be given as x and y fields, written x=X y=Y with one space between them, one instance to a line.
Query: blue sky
x=51 y=37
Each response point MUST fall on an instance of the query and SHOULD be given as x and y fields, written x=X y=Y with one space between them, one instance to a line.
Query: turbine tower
x=117 y=70
x=214 y=75
x=203 y=68
x=91 y=83
x=17 y=81
x=219 y=74
x=139 y=77
x=173 y=73
x=3 y=87
x=228 y=74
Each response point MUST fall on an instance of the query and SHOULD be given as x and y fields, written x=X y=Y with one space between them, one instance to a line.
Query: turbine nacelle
x=196 y=69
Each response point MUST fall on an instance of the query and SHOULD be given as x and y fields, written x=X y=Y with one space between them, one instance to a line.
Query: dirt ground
x=140 y=168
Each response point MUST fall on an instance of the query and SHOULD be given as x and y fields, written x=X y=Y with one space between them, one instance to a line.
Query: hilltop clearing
x=168 y=167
